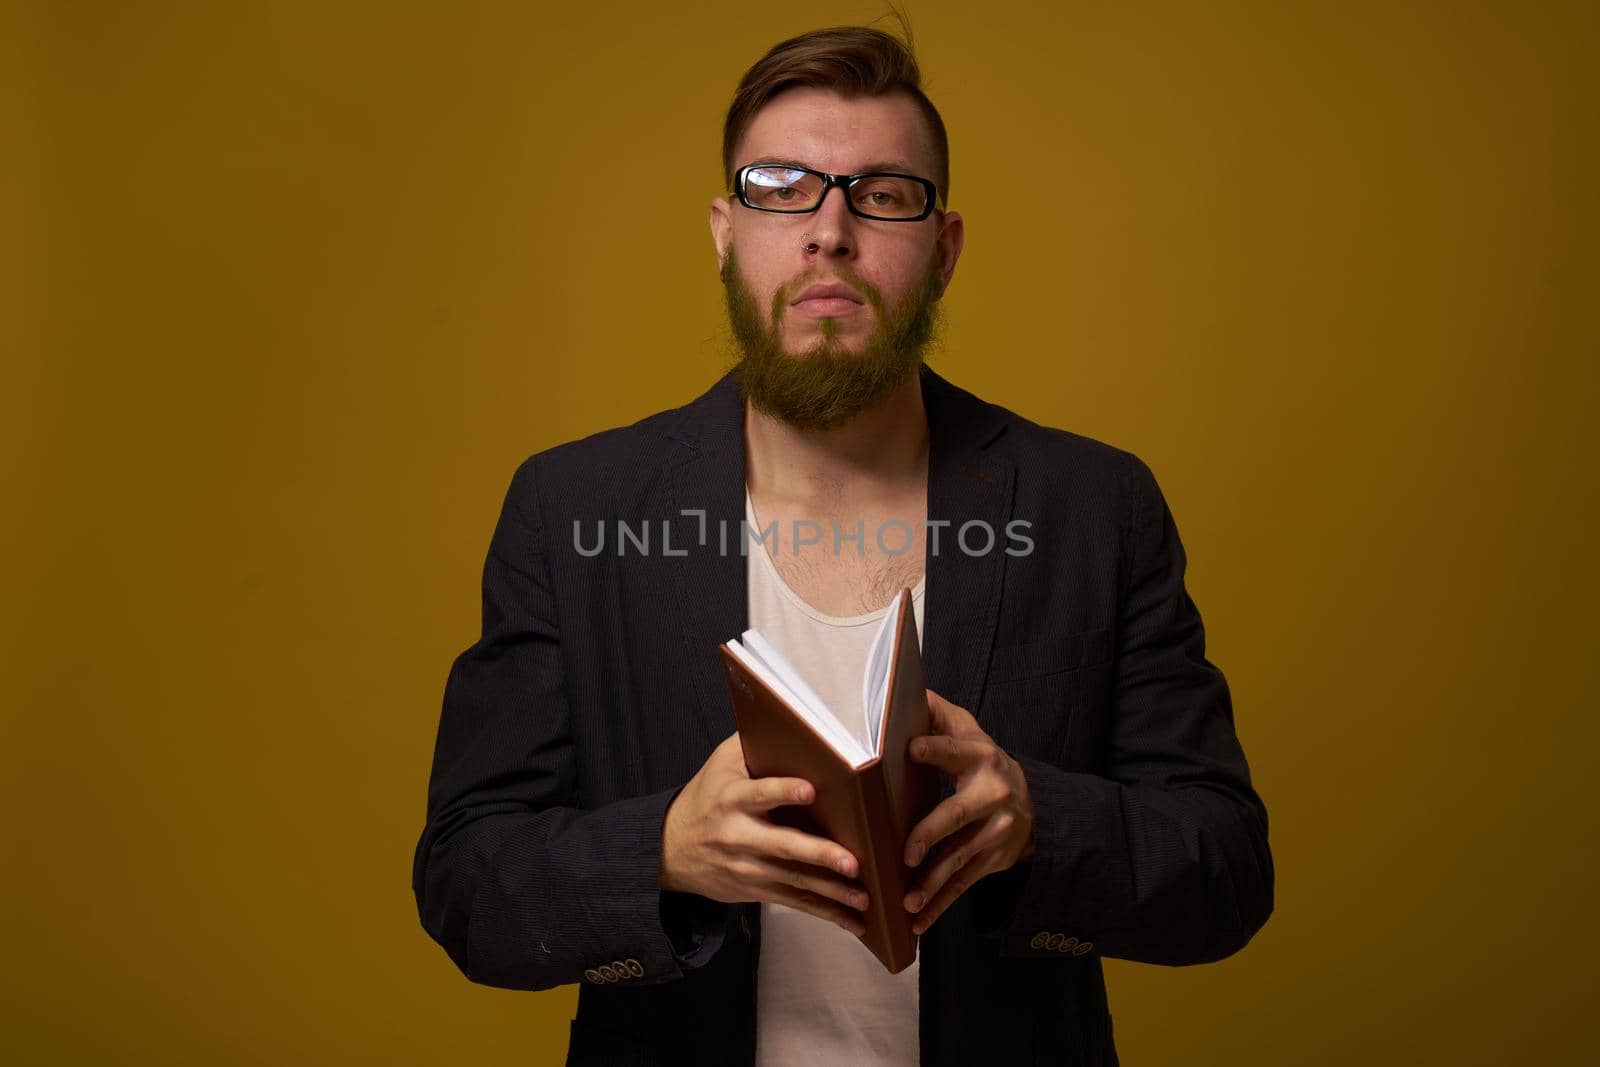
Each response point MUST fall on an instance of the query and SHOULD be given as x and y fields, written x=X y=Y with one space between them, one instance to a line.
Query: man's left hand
x=985 y=827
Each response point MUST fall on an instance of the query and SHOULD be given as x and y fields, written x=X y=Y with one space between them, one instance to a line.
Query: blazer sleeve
x=1163 y=859
x=522 y=887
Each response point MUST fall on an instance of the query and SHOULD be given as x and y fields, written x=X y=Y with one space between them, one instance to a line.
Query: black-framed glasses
x=789 y=190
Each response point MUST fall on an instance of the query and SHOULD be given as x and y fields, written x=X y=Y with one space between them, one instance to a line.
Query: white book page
x=812 y=710
x=875 y=681
x=768 y=653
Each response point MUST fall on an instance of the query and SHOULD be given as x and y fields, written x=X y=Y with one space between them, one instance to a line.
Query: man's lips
x=828 y=307
x=829 y=291
x=828 y=300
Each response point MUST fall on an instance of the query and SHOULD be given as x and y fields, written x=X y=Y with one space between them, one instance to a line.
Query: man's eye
x=880 y=197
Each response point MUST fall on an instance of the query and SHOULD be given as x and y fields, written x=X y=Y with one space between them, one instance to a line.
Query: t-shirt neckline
x=759 y=547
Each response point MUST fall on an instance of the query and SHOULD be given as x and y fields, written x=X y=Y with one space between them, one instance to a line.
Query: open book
x=868 y=795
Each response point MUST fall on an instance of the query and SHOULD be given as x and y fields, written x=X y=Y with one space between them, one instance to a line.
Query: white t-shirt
x=821 y=995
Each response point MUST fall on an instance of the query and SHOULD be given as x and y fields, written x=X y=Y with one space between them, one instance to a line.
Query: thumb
x=730 y=752
x=941 y=713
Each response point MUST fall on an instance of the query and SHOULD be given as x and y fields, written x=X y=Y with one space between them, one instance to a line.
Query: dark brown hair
x=852 y=61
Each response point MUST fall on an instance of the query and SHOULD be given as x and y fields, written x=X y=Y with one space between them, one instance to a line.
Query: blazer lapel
x=969 y=484
x=709 y=476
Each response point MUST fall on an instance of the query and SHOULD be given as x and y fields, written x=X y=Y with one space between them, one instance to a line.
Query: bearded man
x=590 y=817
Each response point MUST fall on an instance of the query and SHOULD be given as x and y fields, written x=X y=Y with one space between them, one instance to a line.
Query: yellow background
x=292 y=288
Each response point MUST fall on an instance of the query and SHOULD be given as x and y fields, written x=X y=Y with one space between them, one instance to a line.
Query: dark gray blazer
x=595 y=693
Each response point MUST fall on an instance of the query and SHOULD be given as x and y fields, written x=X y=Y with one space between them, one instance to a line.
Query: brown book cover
x=866 y=801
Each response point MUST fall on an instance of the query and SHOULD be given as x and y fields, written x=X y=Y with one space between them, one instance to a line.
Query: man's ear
x=952 y=237
x=721 y=228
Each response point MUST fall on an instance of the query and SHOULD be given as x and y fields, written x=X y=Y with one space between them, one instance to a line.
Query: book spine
x=879 y=871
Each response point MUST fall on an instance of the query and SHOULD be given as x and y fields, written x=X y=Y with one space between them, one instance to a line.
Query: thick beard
x=828 y=384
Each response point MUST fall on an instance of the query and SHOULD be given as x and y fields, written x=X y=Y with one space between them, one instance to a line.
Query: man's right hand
x=718 y=841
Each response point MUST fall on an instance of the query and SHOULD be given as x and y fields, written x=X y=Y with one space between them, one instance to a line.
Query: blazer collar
x=970 y=480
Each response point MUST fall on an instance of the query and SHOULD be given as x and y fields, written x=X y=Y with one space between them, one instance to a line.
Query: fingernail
x=844 y=867
x=799 y=793
x=917 y=901
x=859 y=900
x=918 y=926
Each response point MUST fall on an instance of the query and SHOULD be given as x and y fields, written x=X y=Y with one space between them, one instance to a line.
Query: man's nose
x=832 y=227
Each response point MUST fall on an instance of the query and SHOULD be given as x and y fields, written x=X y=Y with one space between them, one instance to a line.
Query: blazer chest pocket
x=1038 y=694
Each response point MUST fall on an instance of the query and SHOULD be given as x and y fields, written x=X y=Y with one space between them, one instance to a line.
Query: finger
x=949 y=815
x=764 y=794
x=947 y=718
x=953 y=755
x=796 y=845
x=812 y=904
x=768 y=836
x=805 y=877
x=953 y=853
x=984 y=863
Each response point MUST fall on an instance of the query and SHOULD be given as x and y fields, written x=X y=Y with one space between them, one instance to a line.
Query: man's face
x=815 y=364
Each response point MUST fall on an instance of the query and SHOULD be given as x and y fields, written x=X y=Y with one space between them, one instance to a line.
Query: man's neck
x=883 y=449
